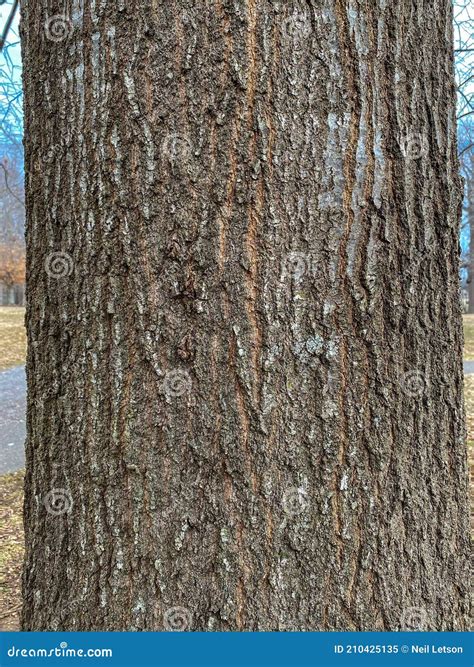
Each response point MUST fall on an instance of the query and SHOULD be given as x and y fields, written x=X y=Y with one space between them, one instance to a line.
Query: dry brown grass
x=468 y=337
x=469 y=402
x=11 y=551
x=12 y=337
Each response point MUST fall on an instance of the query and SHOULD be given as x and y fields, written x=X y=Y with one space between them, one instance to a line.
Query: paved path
x=12 y=416
x=12 y=419
x=468 y=367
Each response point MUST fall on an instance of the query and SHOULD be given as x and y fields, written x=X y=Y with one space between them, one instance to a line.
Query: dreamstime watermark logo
x=58 y=501
x=59 y=265
x=297 y=264
x=295 y=501
x=177 y=383
x=413 y=383
x=58 y=27
x=414 y=619
x=61 y=651
x=176 y=147
x=414 y=146
x=177 y=619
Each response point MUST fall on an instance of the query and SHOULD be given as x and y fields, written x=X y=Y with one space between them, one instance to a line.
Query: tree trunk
x=470 y=222
x=244 y=367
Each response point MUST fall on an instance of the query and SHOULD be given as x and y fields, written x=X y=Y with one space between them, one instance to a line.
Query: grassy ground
x=468 y=337
x=12 y=351
x=12 y=337
x=11 y=551
x=469 y=401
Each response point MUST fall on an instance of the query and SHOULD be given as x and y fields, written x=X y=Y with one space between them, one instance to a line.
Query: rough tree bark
x=244 y=367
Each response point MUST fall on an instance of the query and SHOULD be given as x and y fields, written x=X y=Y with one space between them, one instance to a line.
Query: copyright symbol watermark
x=414 y=619
x=414 y=146
x=413 y=383
x=59 y=265
x=176 y=147
x=177 y=619
x=295 y=501
x=296 y=29
x=58 y=501
x=296 y=265
x=58 y=27
x=177 y=383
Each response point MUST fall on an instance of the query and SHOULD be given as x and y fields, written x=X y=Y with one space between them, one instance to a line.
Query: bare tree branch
x=5 y=171
x=8 y=24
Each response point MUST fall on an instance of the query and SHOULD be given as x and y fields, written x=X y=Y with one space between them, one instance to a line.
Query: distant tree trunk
x=470 y=218
x=244 y=367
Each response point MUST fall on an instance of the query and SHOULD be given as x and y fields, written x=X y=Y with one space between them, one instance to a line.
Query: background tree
x=244 y=361
x=12 y=205
x=466 y=134
x=12 y=264
x=464 y=62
